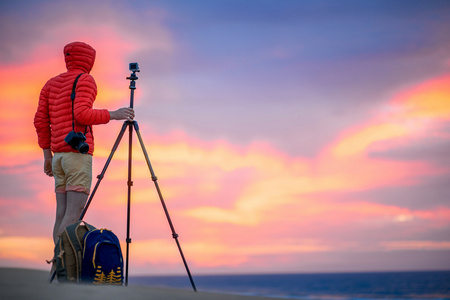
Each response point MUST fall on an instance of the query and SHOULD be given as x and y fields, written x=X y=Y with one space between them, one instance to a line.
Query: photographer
x=64 y=130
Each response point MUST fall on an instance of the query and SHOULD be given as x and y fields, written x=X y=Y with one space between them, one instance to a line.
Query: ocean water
x=364 y=286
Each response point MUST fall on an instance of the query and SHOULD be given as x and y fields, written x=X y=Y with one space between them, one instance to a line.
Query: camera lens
x=83 y=148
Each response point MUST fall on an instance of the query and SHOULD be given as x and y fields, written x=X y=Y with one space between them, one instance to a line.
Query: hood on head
x=79 y=55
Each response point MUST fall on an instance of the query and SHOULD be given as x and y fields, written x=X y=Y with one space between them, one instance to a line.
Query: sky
x=287 y=136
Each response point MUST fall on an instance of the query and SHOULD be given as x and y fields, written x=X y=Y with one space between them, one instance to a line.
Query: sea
x=332 y=286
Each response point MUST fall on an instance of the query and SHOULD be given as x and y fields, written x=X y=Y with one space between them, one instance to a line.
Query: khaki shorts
x=72 y=172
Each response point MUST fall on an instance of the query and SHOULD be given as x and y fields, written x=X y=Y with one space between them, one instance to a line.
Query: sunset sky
x=287 y=136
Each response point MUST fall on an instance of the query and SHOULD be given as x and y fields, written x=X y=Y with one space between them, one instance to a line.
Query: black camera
x=134 y=67
x=77 y=141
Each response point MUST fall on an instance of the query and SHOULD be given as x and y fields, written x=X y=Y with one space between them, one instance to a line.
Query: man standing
x=56 y=116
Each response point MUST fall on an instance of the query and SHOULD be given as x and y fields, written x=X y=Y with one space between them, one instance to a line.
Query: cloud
x=428 y=100
x=25 y=251
x=415 y=115
x=416 y=245
x=358 y=142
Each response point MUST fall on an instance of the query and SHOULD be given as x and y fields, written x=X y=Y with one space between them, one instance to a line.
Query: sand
x=32 y=284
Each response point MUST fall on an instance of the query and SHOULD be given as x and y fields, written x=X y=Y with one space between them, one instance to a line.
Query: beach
x=23 y=284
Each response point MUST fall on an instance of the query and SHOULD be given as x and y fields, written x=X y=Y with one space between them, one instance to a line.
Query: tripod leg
x=154 y=178
x=130 y=184
x=100 y=177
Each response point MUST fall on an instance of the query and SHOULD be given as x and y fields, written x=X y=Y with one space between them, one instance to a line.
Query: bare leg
x=74 y=208
x=61 y=201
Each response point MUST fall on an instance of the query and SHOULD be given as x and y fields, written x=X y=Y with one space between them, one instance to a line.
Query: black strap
x=72 y=96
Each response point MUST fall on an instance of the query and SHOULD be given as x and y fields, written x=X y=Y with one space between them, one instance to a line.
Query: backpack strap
x=57 y=262
x=72 y=233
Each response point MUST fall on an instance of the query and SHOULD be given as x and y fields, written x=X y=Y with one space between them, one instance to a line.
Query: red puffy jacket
x=53 y=119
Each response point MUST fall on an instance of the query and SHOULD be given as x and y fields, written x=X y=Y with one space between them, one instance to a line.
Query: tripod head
x=134 y=67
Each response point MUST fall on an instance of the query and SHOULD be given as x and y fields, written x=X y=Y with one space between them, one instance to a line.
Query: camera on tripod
x=134 y=67
x=77 y=141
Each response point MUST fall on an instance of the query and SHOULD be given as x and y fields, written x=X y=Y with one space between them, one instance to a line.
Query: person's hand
x=124 y=113
x=48 y=166
x=48 y=156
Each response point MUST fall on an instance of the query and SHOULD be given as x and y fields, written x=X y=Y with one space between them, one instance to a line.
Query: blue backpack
x=102 y=258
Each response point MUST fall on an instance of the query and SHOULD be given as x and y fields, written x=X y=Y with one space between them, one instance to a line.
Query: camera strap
x=72 y=96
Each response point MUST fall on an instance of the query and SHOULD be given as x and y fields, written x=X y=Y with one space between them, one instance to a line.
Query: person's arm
x=42 y=125
x=85 y=97
x=42 y=119
x=85 y=114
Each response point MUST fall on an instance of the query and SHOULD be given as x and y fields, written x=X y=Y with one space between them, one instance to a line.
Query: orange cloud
x=427 y=100
x=358 y=141
x=412 y=112
x=27 y=250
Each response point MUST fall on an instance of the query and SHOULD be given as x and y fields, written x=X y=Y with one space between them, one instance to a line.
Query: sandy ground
x=32 y=284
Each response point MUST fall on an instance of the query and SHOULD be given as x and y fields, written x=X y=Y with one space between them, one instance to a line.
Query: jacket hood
x=79 y=55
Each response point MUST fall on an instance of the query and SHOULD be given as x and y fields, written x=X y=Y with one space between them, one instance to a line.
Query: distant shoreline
x=325 y=286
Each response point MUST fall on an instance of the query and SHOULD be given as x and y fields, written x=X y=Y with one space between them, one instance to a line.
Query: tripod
x=130 y=125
